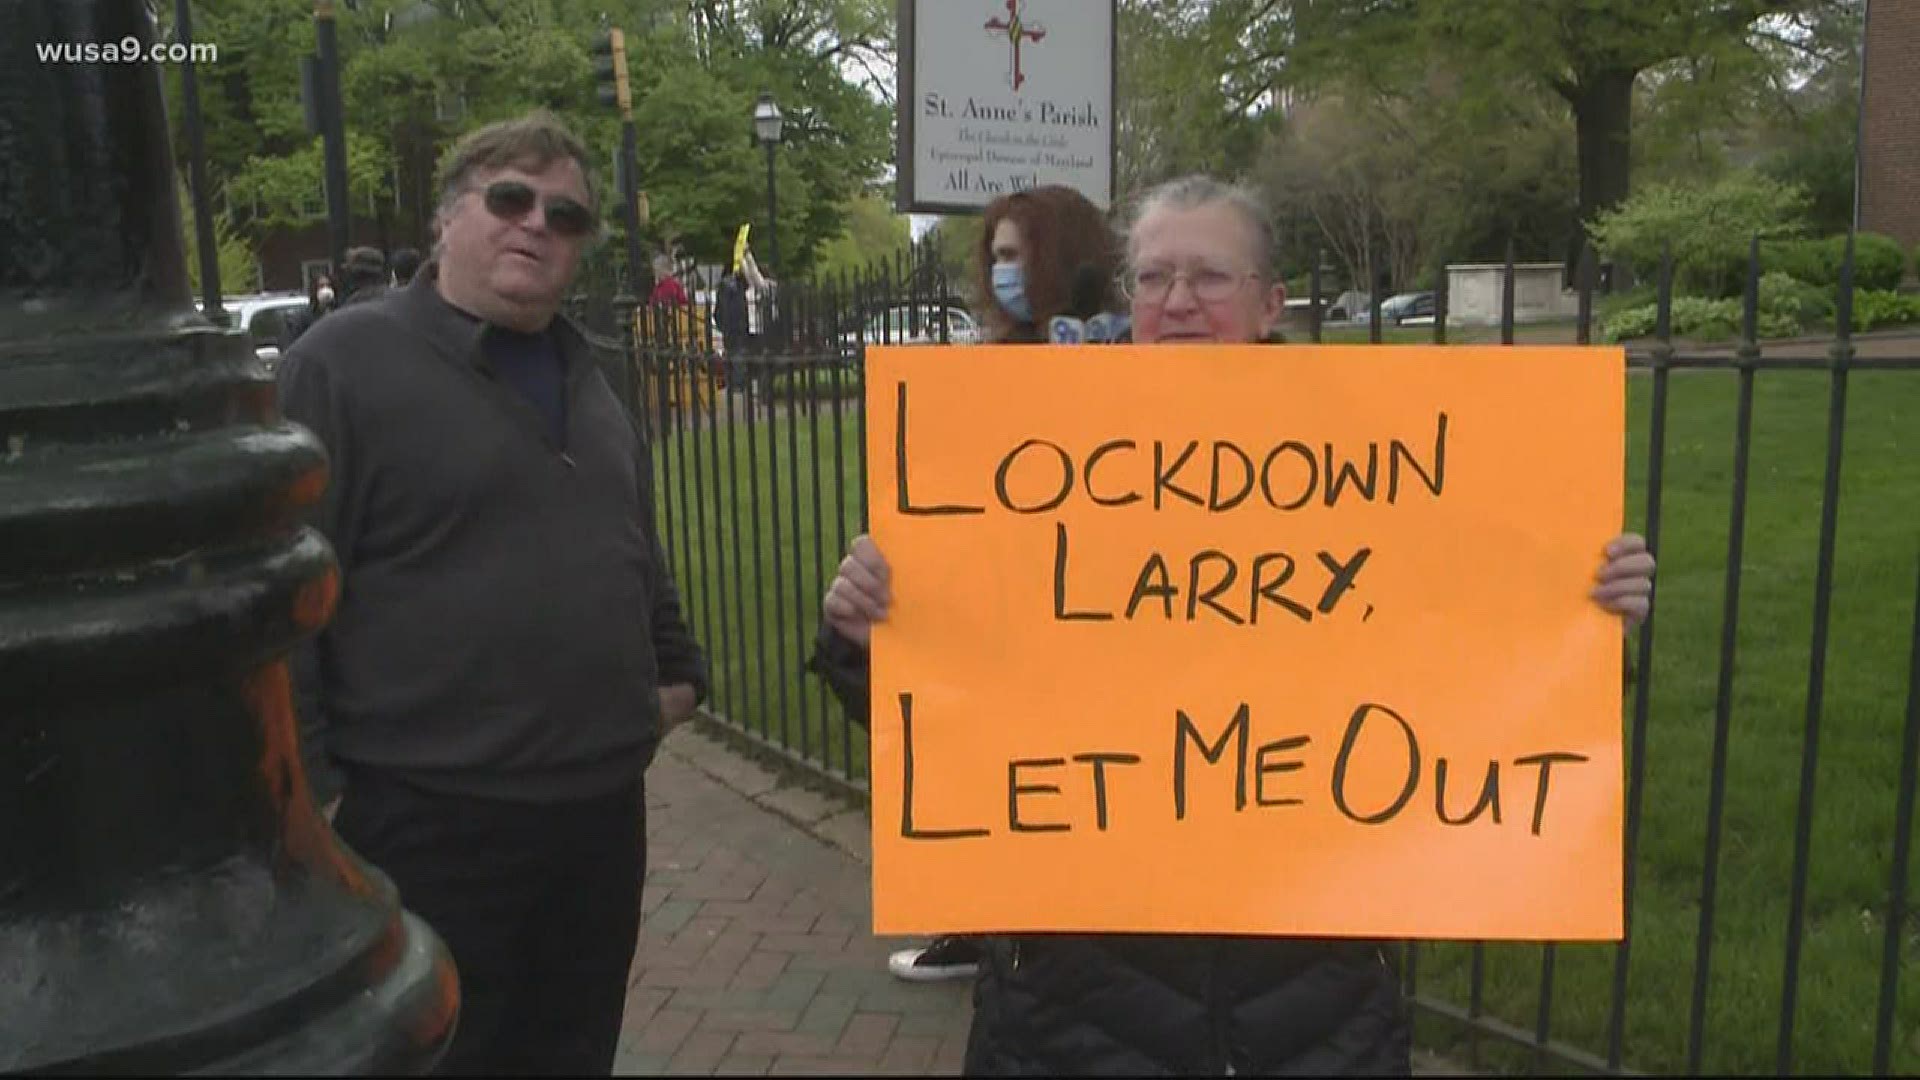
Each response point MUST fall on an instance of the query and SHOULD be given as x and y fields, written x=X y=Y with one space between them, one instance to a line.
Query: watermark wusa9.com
x=128 y=50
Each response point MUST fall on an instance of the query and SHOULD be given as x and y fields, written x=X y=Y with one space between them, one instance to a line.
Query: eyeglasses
x=510 y=200
x=1209 y=284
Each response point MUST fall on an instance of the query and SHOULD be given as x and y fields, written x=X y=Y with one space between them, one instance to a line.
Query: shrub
x=1641 y=295
x=1774 y=324
x=1802 y=260
x=1788 y=305
x=1705 y=319
x=239 y=268
x=1633 y=322
x=1699 y=318
x=1708 y=228
x=1878 y=261
x=1883 y=307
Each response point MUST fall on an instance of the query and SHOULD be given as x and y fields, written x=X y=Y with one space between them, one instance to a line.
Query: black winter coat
x=732 y=309
x=1168 y=1004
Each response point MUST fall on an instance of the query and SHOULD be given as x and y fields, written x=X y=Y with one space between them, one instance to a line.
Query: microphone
x=1107 y=328
x=1066 y=330
x=1089 y=289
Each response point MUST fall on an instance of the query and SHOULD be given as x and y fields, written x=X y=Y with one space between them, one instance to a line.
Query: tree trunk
x=1603 y=122
x=1603 y=128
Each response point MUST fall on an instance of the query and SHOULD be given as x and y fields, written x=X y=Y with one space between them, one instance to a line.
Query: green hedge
x=1875 y=308
x=1787 y=308
x=1791 y=302
x=1878 y=261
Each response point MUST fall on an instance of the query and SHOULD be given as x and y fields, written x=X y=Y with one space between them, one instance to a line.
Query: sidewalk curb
x=830 y=810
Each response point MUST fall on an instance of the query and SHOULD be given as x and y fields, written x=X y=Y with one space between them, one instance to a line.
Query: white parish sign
x=1003 y=95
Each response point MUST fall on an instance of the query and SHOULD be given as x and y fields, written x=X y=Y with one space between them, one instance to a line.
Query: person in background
x=406 y=263
x=762 y=311
x=1034 y=245
x=364 y=275
x=1201 y=254
x=748 y=310
x=1036 y=248
x=508 y=649
x=730 y=318
x=320 y=300
x=666 y=288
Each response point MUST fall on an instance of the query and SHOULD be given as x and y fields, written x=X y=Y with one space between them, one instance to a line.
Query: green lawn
x=1561 y=332
x=1859 y=755
x=1866 y=691
x=755 y=605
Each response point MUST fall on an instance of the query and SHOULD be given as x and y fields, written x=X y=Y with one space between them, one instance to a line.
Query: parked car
x=1408 y=309
x=914 y=324
x=1349 y=306
x=264 y=317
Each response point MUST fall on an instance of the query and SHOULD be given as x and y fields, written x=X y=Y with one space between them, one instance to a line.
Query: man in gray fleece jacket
x=508 y=647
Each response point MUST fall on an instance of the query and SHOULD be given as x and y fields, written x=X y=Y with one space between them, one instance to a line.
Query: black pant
x=539 y=904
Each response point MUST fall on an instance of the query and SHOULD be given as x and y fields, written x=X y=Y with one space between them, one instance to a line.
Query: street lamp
x=171 y=899
x=767 y=122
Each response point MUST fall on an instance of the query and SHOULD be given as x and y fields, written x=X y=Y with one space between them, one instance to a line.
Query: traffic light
x=604 y=67
x=610 y=68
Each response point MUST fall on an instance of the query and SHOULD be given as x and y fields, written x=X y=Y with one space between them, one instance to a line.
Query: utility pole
x=610 y=74
x=333 y=136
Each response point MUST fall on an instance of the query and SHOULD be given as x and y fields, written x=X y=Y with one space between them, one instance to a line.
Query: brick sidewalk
x=756 y=954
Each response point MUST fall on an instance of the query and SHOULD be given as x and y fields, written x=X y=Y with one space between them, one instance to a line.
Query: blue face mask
x=1010 y=289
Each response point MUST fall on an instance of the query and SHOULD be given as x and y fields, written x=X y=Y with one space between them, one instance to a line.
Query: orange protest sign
x=1253 y=639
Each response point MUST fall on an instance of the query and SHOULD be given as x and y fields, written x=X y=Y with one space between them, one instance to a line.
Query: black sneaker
x=948 y=957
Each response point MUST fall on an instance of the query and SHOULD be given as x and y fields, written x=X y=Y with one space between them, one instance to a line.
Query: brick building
x=1890 y=151
x=289 y=257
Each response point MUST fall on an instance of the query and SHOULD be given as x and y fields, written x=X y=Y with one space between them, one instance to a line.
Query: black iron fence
x=759 y=436
x=1766 y=885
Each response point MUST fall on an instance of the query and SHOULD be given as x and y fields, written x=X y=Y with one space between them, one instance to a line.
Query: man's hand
x=860 y=593
x=676 y=706
x=1626 y=579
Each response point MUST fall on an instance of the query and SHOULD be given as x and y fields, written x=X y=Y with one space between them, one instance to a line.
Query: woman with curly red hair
x=1033 y=246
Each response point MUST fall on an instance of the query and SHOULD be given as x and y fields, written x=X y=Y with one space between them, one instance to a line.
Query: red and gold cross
x=1016 y=30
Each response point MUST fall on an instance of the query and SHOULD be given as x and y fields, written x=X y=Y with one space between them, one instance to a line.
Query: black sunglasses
x=512 y=199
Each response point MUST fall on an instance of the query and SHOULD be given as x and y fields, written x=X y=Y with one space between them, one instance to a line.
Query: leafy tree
x=418 y=73
x=283 y=191
x=239 y=269
x=1785 y=99
x=1360 y=190
x=1385 y=179
x=837 y=133
x=1806 y=129
x=1479 y=94
x=956 y=237
x=1590 y=53
x=1708 y=228
x=1195 y=91
x=873 y=231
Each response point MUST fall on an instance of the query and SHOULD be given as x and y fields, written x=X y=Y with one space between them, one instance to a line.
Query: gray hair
x=1198 y=191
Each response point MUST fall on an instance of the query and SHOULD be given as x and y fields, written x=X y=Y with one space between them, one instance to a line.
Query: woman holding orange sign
x=1200 y=255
